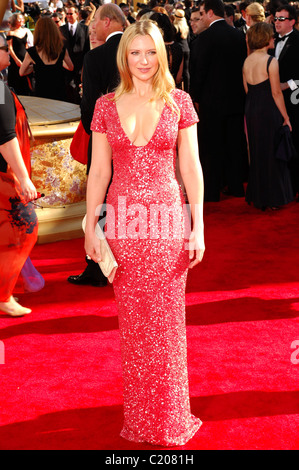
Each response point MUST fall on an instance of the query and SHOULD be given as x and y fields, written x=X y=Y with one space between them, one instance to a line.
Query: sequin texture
x=150 y=282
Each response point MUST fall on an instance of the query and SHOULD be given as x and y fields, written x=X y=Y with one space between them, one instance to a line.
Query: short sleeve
x=188 y=115
x=98 y=123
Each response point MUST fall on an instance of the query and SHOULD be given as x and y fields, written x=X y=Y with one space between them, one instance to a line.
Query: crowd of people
x=212 y=78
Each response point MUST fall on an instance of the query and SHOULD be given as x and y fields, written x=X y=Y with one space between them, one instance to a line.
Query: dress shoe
x=85 y=279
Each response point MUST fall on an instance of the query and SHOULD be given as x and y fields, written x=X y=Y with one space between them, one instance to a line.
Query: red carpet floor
x=61 y=382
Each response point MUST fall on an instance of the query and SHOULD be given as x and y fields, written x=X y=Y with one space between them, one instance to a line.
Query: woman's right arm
x=276 y=91
x=245 y=82
x=98 y=180
x=12 y=154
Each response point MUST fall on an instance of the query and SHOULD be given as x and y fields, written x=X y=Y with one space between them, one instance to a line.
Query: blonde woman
x=182 y=34
x=254 y=13
x=139 y=127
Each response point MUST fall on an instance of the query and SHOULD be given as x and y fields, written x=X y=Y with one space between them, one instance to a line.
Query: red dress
x=18 y=221
x=150 y=282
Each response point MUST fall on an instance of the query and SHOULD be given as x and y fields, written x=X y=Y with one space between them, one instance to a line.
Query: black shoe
x=85 y=279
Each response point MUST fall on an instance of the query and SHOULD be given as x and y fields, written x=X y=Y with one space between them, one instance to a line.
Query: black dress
x=49 y=79
x=269 y=182
x=19 y=84
x=186 y=53
x=174 y=57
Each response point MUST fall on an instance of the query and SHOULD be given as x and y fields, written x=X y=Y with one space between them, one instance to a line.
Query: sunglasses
x=280 y=18
x=4 y=48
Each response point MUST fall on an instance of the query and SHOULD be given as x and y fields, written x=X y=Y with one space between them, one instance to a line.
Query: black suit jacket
x=289 y=69
x=100 y=76
x=217 y=57
x=77 y=45
x=288 y=59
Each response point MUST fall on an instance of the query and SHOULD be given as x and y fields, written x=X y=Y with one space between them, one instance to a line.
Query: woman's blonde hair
x=163 y=82
x=256 y=11
x=180 y=23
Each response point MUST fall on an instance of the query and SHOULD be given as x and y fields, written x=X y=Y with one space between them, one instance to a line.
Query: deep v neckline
x=125 y=134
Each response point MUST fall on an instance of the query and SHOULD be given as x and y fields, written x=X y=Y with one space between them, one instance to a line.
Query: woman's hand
x=196 y=248
x=28 y=189
x=92 y=247
x=284 y=86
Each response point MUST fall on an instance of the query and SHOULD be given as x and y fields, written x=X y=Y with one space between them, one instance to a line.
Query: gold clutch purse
x=108 y=263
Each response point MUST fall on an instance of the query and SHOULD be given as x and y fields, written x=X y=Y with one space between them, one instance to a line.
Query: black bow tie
x=282 y=39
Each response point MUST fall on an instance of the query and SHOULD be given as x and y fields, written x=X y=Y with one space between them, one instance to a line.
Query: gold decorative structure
x=54 y=172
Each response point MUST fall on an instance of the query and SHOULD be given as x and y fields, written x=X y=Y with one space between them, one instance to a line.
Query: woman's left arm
x=26 y=66
x=192 y=176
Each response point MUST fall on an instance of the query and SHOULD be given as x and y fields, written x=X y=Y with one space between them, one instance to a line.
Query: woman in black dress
x=17 y=41
x=269 y=182
x=174 y=49
x=48 y=58
x=182 y=36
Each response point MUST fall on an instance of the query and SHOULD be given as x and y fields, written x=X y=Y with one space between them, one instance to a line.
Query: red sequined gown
x=150 y=282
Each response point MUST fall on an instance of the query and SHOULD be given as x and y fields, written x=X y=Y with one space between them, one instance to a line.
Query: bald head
x=113 y=12
x=108 y=19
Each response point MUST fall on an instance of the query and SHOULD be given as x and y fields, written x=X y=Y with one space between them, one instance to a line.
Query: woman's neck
x=264 y=50
x=142 y=89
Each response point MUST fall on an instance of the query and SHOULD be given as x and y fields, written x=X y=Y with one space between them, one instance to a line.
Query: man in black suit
x=217 y=90
x=100 y=76
x=76 y=40
x=241 y=22
x=287 y=53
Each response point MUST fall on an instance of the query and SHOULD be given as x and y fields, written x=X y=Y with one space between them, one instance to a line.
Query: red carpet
x=61 y=381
